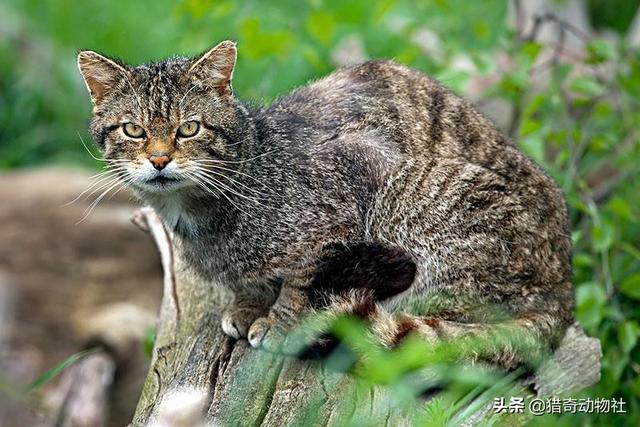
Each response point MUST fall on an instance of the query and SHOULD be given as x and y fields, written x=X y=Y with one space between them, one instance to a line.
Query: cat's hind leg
x=378 y=269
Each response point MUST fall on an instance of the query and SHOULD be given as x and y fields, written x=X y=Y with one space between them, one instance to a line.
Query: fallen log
x=199 y=376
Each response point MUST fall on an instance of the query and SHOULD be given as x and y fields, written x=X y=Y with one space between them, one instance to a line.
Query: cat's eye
x=188 y=129
x=133 y=130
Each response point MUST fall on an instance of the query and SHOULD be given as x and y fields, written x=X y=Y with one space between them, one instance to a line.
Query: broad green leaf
x=615 y=362
x=628 y=333
x=536 y=104
x=620 y=208
x=631 y=286
x=259 y=43
x=381 y=8
x=635 y=386
x=529 y=126
x=320 y=25
x=455 y=79
x=590 y=304
x=533 y=145
x=602 y=236
x=531 y=51
x=586 y=86
x=582 y=260
x=599 y=51
x=515 y=82
x=481 y=29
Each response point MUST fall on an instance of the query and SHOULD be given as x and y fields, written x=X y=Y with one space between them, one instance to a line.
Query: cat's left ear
x=215 y=68
x=101 y=74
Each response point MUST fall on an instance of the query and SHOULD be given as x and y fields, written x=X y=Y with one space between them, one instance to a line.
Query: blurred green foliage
x=578 y=118
x=44 y=104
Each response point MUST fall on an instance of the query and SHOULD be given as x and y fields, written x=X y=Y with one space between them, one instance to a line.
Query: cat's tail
x=523 y=340
x=356 y=279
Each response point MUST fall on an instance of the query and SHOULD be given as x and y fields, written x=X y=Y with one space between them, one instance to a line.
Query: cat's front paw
x=236 y=321
x=266 y=333
x=282 y=338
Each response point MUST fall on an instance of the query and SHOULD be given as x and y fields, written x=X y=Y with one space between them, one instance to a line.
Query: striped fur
x=375 y=154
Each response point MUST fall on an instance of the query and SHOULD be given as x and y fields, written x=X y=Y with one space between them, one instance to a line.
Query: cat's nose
x=159 y=161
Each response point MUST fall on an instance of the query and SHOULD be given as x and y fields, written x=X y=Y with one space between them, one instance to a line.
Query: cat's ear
x=215 y=67
x=100 y=74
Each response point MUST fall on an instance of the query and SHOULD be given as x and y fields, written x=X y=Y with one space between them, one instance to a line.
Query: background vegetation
x=571 y=103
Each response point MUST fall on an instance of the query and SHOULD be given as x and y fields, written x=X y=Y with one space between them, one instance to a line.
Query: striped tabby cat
x=373 y=191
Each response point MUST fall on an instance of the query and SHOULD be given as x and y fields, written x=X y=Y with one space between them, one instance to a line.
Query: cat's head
x=165 y=126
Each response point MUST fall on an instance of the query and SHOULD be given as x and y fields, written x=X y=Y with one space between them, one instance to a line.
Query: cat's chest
x=174 y=216
x=218 y=256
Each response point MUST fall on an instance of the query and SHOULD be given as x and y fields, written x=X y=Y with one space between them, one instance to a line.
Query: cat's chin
x=162 y=184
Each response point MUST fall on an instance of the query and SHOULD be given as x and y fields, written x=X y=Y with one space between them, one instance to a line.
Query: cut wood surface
x=200 y=375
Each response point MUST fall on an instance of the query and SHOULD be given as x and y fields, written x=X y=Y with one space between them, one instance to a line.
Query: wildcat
x=374 y=154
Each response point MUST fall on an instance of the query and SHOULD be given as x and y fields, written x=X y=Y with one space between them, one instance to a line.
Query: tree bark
x=199 y=376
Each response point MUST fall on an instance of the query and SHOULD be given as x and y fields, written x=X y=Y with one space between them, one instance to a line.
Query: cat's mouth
x=161 y=182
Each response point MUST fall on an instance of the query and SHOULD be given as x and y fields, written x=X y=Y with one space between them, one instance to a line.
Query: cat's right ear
x=100 y=74
x=214 y=68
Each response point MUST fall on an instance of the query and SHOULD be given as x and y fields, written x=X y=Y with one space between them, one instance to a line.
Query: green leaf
x=258 y=43
x=149 y=341
x=628 y=333
x=529 y=126
x=635 y=386
x=582 y=260
x=515 y=82
x=620 y=208
x=536 y=104
x=455 y=79
x=590 y=304
x=576 y=236
x=599 y=51
x=481 y=29
x=631 y=286
x=531 y=51
x=52 y=373
x=602 y=236
x=382 y=7
x=320 y=25
x=533 y=145
x=586 y=86
x=615 y=362
x=630 y=249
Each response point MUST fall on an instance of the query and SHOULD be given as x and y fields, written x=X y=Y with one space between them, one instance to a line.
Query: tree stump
x=199 y=376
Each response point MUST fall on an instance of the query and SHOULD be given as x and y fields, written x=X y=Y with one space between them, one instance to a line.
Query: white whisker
x=214 y=182
x=217 y=182
x=234 y=161
x=230 y=170
x=93 y=205
x=98 y=183
x=257 y=195
x=201 y=184
x=89 y=151
x=104 y=176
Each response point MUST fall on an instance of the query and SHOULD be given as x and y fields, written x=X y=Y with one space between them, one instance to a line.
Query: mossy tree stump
x=197 y=373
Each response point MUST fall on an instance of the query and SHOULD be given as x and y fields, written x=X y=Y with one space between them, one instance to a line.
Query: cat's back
x=368 y=95
x=414 y=112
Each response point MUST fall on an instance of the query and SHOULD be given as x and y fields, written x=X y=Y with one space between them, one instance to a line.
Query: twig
x=148 y=220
